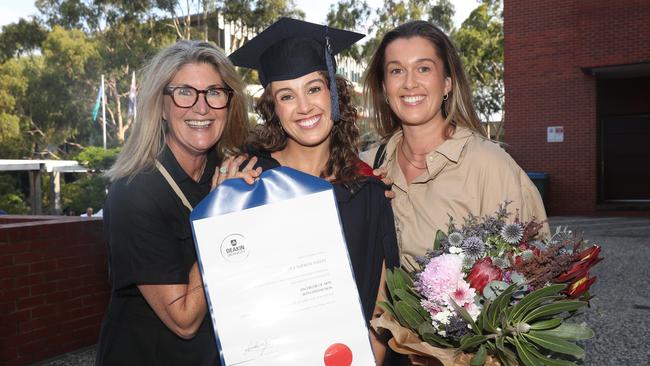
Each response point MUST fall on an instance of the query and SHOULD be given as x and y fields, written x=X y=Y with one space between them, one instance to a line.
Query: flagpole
x=103 y=112
x=135 y=110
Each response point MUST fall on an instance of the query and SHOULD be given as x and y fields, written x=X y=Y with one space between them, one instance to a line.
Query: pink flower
x=463 y=294
x=440 y=277
x=482 y=273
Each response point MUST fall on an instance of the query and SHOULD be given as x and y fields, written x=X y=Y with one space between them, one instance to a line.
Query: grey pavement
x=620 y=311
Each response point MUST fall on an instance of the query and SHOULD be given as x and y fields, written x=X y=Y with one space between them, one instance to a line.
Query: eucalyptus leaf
x=518 y=278
x=494 y=289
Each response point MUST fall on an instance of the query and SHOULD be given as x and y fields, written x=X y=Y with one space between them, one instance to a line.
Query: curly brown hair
x=344 y=142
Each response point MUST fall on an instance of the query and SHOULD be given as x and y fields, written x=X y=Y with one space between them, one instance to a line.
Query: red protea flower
x=577 y=276
x=579 y=287
x=482 y=273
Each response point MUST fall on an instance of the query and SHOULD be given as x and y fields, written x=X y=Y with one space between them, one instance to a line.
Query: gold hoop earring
x=386 y=98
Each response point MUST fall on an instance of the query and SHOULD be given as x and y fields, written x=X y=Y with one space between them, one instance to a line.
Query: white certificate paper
x=280 y=286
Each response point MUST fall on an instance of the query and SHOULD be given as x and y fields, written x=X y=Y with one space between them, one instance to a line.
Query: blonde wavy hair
x=458 y=109
x=148 y=135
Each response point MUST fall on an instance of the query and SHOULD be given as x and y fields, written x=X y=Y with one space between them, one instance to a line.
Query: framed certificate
x=277 y=275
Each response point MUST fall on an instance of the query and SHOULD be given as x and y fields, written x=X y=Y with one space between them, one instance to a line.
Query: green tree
x=394 y=13
x=12 y=200
x=90 y=189
x=21 y=38
x=13 y=88
x=442 y=15
x=60 y=93
x=351 y=15
x=480 y=44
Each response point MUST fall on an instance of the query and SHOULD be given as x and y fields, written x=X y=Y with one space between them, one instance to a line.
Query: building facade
x=577 y=92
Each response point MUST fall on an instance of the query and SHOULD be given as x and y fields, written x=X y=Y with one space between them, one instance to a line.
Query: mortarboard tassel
x=334 y=95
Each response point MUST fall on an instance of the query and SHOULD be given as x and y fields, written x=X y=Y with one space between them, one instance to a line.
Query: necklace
x=200 y=175
x=401 y=146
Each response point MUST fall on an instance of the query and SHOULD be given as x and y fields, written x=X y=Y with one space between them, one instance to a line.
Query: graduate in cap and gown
x=309 y=124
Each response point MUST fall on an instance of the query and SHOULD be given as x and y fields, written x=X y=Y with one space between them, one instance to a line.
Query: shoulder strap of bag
x=379 y=156
x=173 y=184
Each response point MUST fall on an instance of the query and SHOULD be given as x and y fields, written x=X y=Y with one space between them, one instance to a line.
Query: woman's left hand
x=230 y=169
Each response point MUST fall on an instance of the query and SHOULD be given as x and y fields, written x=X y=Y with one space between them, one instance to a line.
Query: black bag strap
x=379 y=156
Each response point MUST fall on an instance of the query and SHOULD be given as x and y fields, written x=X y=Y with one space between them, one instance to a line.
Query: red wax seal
x=338 y=354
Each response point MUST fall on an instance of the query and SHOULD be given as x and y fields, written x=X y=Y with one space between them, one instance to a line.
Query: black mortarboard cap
x=291 y=48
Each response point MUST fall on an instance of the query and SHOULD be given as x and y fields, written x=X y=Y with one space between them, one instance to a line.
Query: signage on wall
x=555 y=134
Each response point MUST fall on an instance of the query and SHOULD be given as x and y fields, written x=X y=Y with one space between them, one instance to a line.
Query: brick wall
x=546 y=45
x=54 y=289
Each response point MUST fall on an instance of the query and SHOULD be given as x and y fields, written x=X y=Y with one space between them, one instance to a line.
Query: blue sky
x=316 y=11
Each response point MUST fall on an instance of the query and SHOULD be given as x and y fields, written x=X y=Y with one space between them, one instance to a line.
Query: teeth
x=194 y=123
x=309 y=122
x=413 y=99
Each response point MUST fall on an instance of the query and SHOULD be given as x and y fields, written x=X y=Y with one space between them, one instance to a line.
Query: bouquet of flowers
x=495 y=293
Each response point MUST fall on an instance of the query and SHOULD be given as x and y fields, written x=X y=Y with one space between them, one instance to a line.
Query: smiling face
x=414 y=81
x=304 y=109
x=193 y=131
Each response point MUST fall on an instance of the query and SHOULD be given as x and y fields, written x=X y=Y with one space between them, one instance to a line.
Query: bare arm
x=181 y=307
x=379 y=345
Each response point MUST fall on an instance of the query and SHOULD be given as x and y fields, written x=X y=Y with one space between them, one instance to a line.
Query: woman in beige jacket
x=436 y=152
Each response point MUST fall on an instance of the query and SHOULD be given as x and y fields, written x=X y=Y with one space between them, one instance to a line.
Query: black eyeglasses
x=187 y=96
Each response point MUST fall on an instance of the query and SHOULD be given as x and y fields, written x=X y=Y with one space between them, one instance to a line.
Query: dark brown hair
x=342 y=163
x=458 y=109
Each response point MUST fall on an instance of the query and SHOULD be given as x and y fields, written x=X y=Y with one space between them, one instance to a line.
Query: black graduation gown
x=368 y=226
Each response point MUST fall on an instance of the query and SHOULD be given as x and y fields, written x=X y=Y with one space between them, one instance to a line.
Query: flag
x=98 y=103
x=132 y=95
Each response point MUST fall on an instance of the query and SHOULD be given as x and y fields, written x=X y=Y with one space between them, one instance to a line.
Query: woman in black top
x=303 y=131
x=191 y=110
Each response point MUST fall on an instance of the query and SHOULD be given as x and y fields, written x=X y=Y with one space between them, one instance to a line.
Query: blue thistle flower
x=455 y=239
x=473 y=247
x=512 y=233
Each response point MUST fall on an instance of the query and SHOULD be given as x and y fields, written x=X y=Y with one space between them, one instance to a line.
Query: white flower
x=456 y=250
x=442 y=317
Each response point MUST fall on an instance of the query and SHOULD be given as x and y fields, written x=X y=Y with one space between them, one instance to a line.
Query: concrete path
x=620 y=312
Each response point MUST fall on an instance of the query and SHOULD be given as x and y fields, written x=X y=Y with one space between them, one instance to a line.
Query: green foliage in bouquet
x=530 y=332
